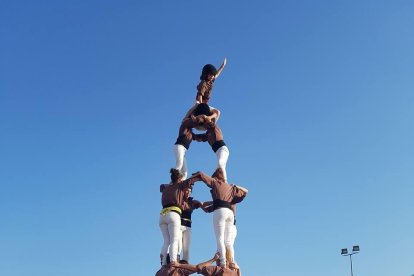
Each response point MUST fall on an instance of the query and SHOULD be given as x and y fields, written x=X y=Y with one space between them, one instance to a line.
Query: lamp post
x=344 y=252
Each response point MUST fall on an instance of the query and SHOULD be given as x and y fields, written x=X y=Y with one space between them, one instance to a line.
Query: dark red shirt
x=217 y=271
x=173 y=194
x=173 y=271
x=204 y=90
x=222 y=190
x=185 y=134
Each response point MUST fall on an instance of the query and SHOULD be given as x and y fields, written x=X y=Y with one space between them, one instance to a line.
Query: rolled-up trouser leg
x=180 y=162
x=174 y=224
x=166 y=237
x=222 y=157
x=180 y=241
x=186 y=234
x=229 y=237
x=222 y=217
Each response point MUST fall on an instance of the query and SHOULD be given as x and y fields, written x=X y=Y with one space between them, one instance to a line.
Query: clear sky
x=317 y=109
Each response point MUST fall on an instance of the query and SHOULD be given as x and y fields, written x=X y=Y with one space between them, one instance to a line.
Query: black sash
x=217 y=203
x=218 y=145
x=181 y=140
x=186 y=218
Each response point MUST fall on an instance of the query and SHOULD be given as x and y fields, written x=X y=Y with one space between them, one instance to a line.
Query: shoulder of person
x=163 y=186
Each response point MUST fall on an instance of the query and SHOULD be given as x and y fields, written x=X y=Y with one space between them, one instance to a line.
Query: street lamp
x=344 y=252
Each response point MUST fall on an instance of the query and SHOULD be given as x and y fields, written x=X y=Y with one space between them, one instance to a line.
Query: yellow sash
x=169 y=209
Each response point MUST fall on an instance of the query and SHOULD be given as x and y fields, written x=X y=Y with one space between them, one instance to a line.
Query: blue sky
x=317 y=110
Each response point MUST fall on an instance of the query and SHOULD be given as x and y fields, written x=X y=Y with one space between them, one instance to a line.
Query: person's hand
x=206 y=204
x=206 y=119
x=200 y=138
x=198 y=204
x=203 y=207
x=210 y=123
x=216 y=256
x=175 y=264
x=198 y=119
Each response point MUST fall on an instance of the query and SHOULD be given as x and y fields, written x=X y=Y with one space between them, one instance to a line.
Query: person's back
x=185 y=135
x=217 y=271
x=168 y=270
x=172 y=195
x=204 y=89
x=224 y=192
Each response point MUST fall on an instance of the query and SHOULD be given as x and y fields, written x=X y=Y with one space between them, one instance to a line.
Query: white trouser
x=232 y=238
x=223 y=219
x=222 y=157
x=170 y=224
x=185 y=242
x=180 y=162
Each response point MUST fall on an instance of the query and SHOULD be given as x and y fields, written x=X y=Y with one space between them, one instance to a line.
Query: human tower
x=176 y=200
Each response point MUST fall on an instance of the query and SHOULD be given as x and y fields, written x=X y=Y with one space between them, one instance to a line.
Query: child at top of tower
x=209 y=74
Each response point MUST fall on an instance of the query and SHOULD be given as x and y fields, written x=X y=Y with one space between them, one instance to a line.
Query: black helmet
x=208 y=69
x=202 y=109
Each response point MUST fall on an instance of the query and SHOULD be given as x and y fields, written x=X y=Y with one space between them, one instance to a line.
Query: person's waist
x=218 y=144
x=185 y=222
x=170 y=208
x=218 y=203
x=186 y=215
x=183 y=141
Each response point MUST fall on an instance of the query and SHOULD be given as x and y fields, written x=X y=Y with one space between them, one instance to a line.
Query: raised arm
x=198 y=267
x=209 y=262
x=242 y=188
x=186 y=124
x=189 y=267
x=239 y=193
x=221 y=68
x=203 y=177
x=196 y=204
x=162 y=187
x=189 y=182
x=190 y=121
x=189 y=112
